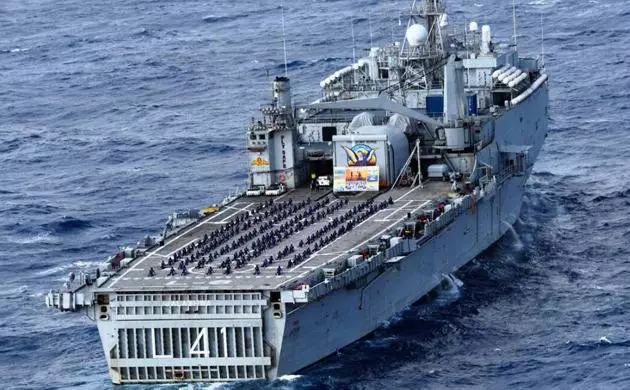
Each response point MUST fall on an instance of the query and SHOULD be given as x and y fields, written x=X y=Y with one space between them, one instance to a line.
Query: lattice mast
x=423 y=50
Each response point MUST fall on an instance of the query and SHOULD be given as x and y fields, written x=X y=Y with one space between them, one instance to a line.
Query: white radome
x=417 y=34
x=474 y=27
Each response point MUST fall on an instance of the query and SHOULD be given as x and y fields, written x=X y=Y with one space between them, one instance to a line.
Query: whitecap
x=290 y=378
x=40 y=238
x=214 y=386
x=64 y=267
x=604 y=340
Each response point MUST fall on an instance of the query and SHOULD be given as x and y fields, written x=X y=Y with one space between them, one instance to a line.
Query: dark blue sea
x=115 y=113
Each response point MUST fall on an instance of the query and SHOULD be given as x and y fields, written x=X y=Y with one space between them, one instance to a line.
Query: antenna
x=354 y=46
x=542 y=40
x=514 y=21
x=284 y=43
x=371 y=35
x=392 y=27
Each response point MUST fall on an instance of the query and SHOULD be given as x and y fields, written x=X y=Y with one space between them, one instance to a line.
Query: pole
x=284 y=43
x=514 y=21
x=371 y=35
x=354 y=46
x=542 y=40
x=419 y=163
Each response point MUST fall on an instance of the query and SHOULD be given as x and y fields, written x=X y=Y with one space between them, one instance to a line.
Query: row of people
x=201 y=250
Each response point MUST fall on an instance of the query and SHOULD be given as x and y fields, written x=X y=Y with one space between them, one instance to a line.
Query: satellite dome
x=474 y=26
x=417 y=34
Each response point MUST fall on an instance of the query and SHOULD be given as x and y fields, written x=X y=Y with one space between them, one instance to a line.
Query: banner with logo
x=356 y=179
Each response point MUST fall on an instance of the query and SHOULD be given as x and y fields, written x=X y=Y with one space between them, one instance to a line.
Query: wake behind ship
x=411 y=163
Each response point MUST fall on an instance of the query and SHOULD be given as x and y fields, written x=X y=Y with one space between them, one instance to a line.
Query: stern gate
x=189 y=337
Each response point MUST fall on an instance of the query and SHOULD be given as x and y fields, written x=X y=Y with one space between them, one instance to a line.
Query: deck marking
x=387 y=218
x=359 y=245
x=333 y=250
x=412 y=190
x=224 y=220
x=149 y=255
x=182 y=247
x=283 y=195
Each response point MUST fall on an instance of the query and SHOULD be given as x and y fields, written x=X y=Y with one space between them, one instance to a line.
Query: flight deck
x=336 y=226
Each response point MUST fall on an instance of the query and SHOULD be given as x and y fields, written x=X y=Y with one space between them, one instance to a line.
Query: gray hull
x=240 y=334
x=347 y=315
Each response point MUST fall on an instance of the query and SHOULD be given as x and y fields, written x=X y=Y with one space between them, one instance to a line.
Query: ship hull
x=321 y=328
x=159 y=336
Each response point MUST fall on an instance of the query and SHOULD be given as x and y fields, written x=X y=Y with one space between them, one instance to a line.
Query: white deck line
x=238 y=210
x=355 y=247
x=282 y=196
x=182 y=247
x=411 y=190
x=172 y=240
x=386 y=219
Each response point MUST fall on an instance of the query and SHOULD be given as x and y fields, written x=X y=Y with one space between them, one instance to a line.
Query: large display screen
x=356 y=179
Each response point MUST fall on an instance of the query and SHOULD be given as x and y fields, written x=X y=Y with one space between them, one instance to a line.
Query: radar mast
x=423 y=52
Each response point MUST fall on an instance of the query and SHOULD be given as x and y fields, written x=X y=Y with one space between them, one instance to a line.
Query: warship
x=411 y=163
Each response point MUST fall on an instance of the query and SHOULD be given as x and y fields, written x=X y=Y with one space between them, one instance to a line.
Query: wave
x=603 y=342
x=223 y=18
x=142 y=32
x=67 y=225
x=40 y=238
x=14 y=50
x=615 y=195
x=543 y=174
x=291 y=65
x=76 y=265
x=193 y=146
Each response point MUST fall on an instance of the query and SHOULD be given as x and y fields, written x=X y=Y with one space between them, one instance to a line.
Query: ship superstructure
x=411 y=163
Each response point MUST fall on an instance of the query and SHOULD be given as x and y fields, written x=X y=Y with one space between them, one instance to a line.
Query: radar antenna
x=423 y=50
x=514 y=22
x=542 y=40
x=284 y=43
x=371 y=34
x=354 y=44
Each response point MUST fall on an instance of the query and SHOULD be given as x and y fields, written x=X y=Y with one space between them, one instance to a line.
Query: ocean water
x=115 y=113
